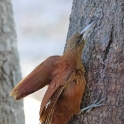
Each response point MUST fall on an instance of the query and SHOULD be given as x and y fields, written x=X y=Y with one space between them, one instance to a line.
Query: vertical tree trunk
x=11 y=112
x=103 y=58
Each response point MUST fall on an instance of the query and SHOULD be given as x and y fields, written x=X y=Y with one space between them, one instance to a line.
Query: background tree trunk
x=11 y=112
x=103 y=58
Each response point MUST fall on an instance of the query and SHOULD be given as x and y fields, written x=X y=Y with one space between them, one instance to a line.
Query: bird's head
x=78 y=40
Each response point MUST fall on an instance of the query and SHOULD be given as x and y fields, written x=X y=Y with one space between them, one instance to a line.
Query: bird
x=64 y=76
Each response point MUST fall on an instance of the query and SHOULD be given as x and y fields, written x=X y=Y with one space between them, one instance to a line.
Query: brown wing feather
x=48 y=109
x=51 y=96
x=38 y=78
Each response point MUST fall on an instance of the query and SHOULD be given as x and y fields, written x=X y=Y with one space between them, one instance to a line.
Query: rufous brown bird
x=64 y=76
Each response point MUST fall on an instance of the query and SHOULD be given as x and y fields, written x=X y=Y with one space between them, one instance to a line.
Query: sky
x=42 y=27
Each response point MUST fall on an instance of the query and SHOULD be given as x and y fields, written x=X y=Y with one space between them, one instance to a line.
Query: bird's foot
x=94 y=105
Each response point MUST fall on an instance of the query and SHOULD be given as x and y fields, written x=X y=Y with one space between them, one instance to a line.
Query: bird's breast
x=69 y=101
x=73 y=92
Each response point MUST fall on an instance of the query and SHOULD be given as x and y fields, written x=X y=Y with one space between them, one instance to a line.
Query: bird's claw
x=95 y=104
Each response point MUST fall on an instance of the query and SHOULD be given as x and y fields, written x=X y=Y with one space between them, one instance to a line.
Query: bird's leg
x=94 y=105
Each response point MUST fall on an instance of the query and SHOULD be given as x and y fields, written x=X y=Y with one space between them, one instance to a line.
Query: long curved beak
x=88 y=28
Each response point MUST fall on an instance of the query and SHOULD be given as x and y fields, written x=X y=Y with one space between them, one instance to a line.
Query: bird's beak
x=87 y=29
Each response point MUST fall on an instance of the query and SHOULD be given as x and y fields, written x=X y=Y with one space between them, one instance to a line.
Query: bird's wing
x=37 y=79
x=48 y=109
x=51 y=96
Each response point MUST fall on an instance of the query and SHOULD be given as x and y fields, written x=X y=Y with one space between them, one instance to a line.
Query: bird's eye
x=78 y=41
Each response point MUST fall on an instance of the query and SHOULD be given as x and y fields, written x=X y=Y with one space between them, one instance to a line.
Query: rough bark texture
x=11 y=112
x=103 y=58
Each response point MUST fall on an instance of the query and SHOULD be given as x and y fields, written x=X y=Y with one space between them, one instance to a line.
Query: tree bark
x=11 y=112
x=103 y=58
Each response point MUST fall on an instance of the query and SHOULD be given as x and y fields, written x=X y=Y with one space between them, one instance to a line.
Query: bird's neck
x=74 y=54
x=73 y=57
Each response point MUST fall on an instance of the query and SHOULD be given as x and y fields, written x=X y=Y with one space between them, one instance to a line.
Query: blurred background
x=41 y=27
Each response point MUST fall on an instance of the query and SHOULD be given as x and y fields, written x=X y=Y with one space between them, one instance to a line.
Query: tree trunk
x=103 y=58
x=11 y=112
